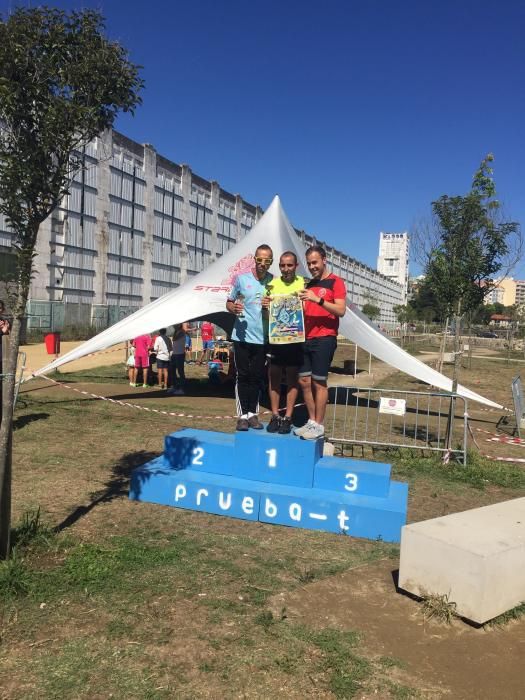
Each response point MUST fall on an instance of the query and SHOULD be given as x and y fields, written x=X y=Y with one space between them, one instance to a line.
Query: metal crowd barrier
x=394 y=418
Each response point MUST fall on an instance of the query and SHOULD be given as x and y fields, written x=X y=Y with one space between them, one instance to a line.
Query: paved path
x=37 y=357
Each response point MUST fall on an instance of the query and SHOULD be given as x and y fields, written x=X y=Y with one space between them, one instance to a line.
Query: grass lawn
x=104 y=597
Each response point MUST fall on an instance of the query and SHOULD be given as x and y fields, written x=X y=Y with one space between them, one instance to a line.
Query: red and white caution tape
x=119 y=348
x=127 y=404
x=505 y=459
x=507 y=440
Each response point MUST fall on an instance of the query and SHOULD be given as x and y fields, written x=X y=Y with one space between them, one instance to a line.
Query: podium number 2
x=352 y=481
x=198 y=454
x=272 y=457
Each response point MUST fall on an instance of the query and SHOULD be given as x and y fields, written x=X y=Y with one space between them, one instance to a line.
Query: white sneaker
x=314 y=432
x=301 y=431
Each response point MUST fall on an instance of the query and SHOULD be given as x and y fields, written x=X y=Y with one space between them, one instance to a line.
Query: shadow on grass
x=346 y=372
x=116 y=487
x=21 y=421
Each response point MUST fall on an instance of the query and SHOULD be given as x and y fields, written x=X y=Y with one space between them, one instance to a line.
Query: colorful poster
x=286 y=320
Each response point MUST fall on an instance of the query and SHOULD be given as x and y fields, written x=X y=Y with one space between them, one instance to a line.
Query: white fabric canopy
x=204 y=296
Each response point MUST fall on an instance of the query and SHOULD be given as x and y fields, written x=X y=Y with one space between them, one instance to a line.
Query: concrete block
x=476 y=558
x=352 y=476
x=276 y=459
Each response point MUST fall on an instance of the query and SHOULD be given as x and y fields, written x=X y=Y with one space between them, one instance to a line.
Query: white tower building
x=392 y=261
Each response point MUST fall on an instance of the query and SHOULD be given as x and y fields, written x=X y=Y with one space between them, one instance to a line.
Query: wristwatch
x=321 y=301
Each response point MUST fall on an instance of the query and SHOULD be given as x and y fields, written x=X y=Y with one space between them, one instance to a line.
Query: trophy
x=240 y=298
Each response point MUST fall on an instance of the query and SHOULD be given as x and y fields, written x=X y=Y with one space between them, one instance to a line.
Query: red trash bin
x=52 y=341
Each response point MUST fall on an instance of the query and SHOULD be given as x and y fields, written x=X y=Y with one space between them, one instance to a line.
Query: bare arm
x=336 y=307
x=234 y=307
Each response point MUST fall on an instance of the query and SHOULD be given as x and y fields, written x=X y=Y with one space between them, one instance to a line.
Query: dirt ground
x=459 y=661
x=37 y=357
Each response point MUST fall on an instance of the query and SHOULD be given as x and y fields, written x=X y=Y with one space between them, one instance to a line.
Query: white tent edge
x=206 y=293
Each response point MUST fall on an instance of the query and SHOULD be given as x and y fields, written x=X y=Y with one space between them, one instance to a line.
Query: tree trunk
x=8 y=393
x=442 y=347
x=457 y=343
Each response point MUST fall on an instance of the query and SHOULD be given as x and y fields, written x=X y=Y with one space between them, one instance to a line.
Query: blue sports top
x=251 y=327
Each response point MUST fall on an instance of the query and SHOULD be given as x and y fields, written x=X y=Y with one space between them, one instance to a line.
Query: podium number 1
x=272 y=457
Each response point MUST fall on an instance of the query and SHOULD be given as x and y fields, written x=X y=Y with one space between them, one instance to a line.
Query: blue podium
x=273 y=478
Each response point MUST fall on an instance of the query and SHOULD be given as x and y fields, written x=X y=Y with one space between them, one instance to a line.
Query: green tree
x=372 y=311
x=483 y=313
x=404 y=314
x=473 y=244
x=62 y=82
x=425 y=303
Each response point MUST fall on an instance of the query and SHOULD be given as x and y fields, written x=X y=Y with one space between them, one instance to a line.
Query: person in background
x=162 y=348
x=177 y=359
x=130 y=364
x=248 y=300
x=208 y=341
x=187 y=344
x=288 y=357
x=142 y=344
x=324 y=299
x=5 y=326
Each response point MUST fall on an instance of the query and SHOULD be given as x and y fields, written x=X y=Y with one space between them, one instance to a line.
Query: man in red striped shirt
x=324 y=300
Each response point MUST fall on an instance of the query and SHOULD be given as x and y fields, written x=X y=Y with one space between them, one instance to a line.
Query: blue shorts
x=317 y=357
x=162 y=364
x=208 y=344
x=188 y=342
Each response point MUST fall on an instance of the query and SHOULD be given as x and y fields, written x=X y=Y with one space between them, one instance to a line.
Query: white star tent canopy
x=204 y=296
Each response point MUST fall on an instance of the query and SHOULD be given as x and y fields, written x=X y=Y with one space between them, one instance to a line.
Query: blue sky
x=358 y=114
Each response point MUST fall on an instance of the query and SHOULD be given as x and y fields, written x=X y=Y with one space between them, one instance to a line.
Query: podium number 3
x=198 y=454
x=272 y=457
x=352 y=481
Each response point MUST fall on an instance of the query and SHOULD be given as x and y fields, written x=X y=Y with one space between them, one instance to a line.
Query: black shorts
x=318 y=356
x=163 y=364
x=286 y=355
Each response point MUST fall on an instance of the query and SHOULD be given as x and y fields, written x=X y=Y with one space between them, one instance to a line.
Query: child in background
x=187 y=346
x=130 y=364
x=208 y=341
x=177 y=359
x=143 y=345
x=162 y=348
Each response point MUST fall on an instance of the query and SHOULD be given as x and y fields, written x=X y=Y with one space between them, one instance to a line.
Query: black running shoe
x=286 y=426
x=274 y=424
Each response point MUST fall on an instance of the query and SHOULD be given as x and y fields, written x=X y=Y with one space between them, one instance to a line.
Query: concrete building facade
x=135 y=225
x=393 y=258
x=520 y=292
x=505 y=291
